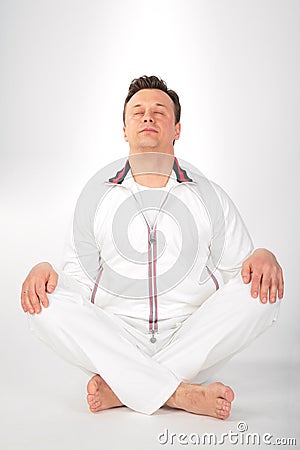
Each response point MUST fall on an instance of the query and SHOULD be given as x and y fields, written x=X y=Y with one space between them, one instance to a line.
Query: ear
x=125 y=134
x=177 y=130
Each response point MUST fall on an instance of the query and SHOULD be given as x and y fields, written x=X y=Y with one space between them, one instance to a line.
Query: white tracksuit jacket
x=153 y=254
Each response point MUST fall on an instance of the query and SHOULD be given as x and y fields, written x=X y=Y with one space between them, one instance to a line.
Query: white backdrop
x=65 y=69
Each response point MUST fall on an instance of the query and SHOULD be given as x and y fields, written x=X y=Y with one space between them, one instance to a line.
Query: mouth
x=148 y=130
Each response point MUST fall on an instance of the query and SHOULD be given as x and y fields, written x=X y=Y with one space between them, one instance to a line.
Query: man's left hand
x=263 y=270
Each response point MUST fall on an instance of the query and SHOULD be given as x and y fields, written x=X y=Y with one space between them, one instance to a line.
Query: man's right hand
x=41 y=279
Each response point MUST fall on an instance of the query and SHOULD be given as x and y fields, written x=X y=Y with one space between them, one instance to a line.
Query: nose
x=148 y=116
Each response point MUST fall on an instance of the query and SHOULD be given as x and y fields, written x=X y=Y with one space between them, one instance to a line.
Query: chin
x=149 y=149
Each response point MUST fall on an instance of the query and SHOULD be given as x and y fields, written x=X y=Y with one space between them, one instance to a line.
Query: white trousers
x=143 y=374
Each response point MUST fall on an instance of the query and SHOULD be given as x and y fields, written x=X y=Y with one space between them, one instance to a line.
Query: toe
x=96 y=407
x=222 y=404
x=221 y=414
x=93 y=410
x=220 y=390
x=91 y=387
x=223 y=391
x=90 y=398
x=228 y=394
x=93 y=384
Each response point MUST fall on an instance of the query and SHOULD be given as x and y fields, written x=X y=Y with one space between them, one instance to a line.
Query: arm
x=259 y=266
x=230 y=230
x=41 y=279
x=263 y=270
x=81 y=261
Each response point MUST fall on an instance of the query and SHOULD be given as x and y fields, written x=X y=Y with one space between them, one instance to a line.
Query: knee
x=67 y=294
x=49 y=316
x=267 y=312
x=42 y=321
x=65 y=303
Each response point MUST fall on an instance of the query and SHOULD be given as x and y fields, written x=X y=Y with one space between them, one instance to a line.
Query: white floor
x=44 y=407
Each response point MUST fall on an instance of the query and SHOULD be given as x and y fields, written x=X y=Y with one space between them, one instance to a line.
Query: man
x=155 y=286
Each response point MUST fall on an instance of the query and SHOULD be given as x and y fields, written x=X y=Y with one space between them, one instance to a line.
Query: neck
x=151 y=169
x=151 y=180
x=137 y=150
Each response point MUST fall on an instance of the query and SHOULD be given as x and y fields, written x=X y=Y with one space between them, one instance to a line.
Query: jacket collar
x=180 y=173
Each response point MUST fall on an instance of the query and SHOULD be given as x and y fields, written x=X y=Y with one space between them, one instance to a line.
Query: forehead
x=153 y=97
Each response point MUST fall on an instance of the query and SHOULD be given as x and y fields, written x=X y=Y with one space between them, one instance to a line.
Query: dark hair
x=152 y=82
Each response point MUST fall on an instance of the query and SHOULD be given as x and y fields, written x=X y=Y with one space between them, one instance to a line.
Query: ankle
x=174 y=400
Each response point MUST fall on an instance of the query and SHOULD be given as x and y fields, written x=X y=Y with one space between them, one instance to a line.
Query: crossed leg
x=221 y=327
x=90 y=338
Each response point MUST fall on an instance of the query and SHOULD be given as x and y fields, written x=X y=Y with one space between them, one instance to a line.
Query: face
x=150 y=122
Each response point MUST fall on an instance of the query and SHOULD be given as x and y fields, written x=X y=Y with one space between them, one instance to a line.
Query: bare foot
x=212 y=400
x=100 y=396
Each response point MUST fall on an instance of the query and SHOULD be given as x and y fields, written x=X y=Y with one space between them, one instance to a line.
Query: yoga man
x=160 y=283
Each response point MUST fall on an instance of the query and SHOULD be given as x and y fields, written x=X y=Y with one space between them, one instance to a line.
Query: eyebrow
x=138 y=105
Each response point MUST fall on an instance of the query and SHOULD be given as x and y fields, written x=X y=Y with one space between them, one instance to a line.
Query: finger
x=26 y=303
x=23 y=300
x=280 y=285
x=246 y=272
x=52 y=282
x=264 y=288
x=34 y=300
x=273 y=291
x=255 y=286
x=41 y=293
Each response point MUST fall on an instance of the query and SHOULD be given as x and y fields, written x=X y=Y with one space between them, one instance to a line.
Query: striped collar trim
x=181 y=174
